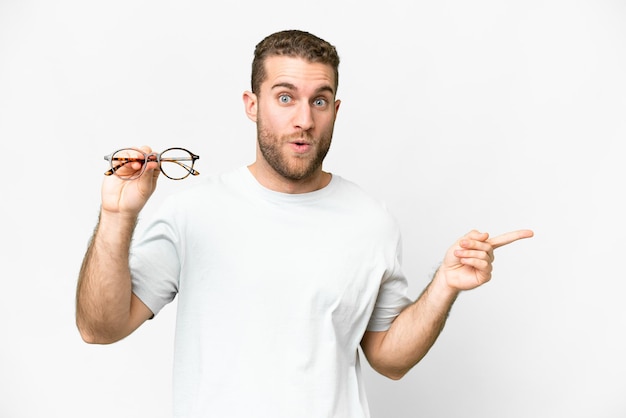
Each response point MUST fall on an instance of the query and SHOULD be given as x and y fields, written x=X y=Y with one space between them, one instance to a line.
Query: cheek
x=270 y=117
x=326 y=122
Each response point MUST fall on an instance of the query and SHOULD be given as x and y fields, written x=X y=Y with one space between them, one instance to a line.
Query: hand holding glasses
x=130 y=163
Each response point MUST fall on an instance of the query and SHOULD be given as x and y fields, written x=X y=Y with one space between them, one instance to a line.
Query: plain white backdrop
x=495 y=115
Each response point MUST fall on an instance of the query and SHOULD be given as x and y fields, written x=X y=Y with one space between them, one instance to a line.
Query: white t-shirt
x=274 y=294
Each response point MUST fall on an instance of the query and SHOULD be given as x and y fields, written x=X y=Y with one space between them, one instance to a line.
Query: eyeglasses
x=130 y=163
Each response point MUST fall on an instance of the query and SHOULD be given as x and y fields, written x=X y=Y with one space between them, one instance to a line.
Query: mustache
x=300 y=136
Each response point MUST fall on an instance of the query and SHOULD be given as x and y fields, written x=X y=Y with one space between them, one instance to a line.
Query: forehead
x=300 y=73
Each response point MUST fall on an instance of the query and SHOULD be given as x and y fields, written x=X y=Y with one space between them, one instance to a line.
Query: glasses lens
x=128 y=164
x=176 y=163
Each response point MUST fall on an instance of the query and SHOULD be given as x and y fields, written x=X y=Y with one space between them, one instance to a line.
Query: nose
x=303 y=117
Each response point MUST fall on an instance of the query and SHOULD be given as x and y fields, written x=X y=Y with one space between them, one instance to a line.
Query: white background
x=495 y=115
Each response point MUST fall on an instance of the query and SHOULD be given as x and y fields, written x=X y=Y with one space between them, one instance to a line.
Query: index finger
x=510 y=237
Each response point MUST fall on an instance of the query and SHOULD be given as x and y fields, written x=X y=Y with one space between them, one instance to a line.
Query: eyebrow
x=291 y=86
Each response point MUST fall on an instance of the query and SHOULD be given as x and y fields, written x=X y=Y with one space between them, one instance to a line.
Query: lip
x=300 y=147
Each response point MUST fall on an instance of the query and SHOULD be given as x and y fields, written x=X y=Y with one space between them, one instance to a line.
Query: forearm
x=466 y=265
x=103 y=297
x=412 y=334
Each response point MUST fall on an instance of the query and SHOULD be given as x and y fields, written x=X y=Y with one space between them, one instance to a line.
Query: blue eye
x=283 y=98
x=320 y=102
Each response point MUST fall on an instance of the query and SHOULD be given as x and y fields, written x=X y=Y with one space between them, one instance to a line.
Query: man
x=281 y=269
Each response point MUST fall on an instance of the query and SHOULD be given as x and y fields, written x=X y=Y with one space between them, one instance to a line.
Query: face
x=295 y=113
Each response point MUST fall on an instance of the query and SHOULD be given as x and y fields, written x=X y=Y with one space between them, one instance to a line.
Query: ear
x=250 y=103
x=337 y=103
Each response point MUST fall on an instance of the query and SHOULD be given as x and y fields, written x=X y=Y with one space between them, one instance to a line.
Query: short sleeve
x=392 y=296
x=155 y=262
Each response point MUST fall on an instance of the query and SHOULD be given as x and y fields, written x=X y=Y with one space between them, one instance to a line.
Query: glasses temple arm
x=190 y=169
x=124 y=162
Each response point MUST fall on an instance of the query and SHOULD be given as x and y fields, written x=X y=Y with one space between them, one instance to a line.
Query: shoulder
x=363 y=204
x=353 y=192
x=206 y=195
x=211 y=184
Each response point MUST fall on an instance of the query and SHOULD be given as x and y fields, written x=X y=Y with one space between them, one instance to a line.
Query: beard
x=293 y=167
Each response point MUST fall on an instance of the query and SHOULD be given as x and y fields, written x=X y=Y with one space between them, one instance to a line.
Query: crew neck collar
x=252 y=183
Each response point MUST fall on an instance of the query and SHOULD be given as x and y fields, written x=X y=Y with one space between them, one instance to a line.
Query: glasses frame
x=152 y=157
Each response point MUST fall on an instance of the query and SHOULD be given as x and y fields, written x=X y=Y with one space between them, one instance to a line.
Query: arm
x=467 y=265
x=106 y=308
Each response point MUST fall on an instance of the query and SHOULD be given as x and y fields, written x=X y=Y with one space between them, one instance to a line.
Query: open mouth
x=300 y=146
x=300 y=140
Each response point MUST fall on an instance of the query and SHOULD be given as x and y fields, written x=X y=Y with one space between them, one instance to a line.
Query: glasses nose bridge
x=153 y=156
